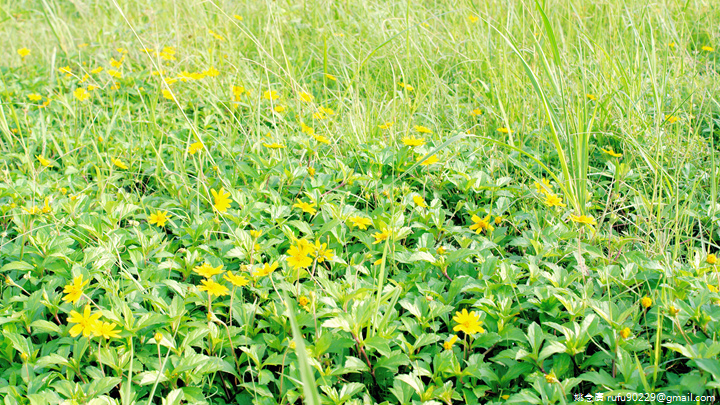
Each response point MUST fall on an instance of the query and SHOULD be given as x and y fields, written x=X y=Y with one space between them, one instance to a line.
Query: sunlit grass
x=271 y=202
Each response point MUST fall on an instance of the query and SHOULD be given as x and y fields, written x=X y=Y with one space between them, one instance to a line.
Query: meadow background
x=435 y=202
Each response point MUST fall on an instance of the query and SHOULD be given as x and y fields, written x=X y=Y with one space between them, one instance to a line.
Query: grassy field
x=319 y=202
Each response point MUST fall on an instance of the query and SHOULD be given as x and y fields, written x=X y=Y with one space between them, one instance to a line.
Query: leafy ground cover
x=358 y=202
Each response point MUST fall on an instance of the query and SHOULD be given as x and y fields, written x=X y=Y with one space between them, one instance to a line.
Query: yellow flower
x=266 y=269
x=378 y=262
x=504 y=130
x=305 y=246
x=441 y=250
x=591 y=97
x=114 y=73
x=222 y=199
x=168 y=53
x=207 y=271
x=543 y=187
x=322 y=253
x=43 y=161
x=211 y=72
x=74 y=290
x=238 y=17
x=23 y=52
x=449 y=344
x=406 y=86
x=195 y=147
x=625 y=333
x=360 y=222
x=303 y=301
x=81 y=94
x=306 y=207
x=213 y=288
x=381 y=236
x=422 y=129
x=412 y=141
x=551 y=378
x=106 y=330
x=671 y=119
x=167 y=94
x=481 y=224
x=279 y=108
x=46 y=207
x=498 y=220
x=66 y=70
x=271 y=95
x=274 y=145
x=708 y=48
x=33 y=210
x=306 y=129
x=63 y=190
x=306 y=97
x=331 y=77
x=583 y=219
x=386 y=125
x=159 y=218
x=646 y=302
x=321 y=139
x=473 y=19
x=326 y=110
x=298 y=258
x=255 y=233
x=419 y=201
x=34 y=97
x=119 y=163
x=476 y=112
x=673 y=311
x=671 y=45
x=236 y=280
x=611 y=152
x=432 y=159
x=116 y=63
x=553 y=200
x=712 y=288
x=216 y=35
x=469 y=323
x=237 y=91
x=85 y=323
x=711 y=258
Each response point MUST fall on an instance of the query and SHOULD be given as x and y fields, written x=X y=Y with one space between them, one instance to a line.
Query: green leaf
x=601 y=378
x=19 y=342
x=149 y=377
x=393 y=361
x=16 y=266
x=102 y=386
x=312 y=397
x=355 y=365
x=712 y=366
x=43 y=326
